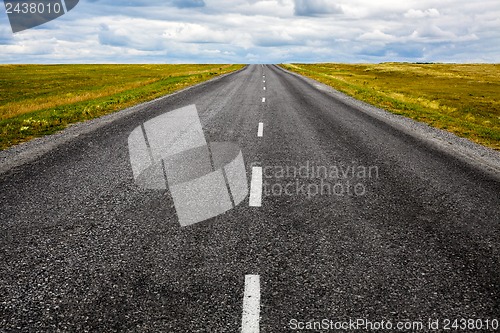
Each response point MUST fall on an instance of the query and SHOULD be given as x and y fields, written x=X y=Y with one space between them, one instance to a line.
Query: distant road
x=361 y=215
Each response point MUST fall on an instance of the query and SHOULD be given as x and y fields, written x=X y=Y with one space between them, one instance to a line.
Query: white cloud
x=433 y=33
x=261 y=31
x=418 y=14
x=377 y=35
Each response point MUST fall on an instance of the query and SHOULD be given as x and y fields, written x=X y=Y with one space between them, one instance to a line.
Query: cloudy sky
x=261 y=31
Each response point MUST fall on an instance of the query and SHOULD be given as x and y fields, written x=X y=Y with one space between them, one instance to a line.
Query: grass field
x=463 y=99
x=36 y=100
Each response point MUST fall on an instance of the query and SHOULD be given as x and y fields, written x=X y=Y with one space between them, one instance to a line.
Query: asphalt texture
x=413 y=234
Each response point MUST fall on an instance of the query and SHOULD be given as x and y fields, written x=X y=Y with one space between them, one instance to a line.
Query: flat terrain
x=40 y=99
x=462 y=99
x=83 y=248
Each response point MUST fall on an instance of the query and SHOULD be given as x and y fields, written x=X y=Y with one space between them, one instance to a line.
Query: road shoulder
x=27 y=152
x=482 y=158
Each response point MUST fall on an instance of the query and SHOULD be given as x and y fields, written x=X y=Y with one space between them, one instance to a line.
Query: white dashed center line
x=260 y=131
x=251 y=305
x=264 y=88
x=263 y=99
x=256 y=187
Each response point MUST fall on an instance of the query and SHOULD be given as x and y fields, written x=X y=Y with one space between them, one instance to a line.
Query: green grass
x=461 y=98
x=37 y=100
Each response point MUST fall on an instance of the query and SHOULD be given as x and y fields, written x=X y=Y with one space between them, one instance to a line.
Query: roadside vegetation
x=36 y=100
x=461 y=98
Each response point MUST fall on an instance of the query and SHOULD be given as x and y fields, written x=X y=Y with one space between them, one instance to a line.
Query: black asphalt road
x=85 y=249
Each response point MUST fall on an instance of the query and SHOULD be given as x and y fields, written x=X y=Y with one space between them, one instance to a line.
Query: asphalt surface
x=83 y=248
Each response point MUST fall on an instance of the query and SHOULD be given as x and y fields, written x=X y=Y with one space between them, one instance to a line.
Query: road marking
x=264 y=88
x=260 y=132
x=264 y=81
x=256 y=187
x=263 y=99
x=251 y=305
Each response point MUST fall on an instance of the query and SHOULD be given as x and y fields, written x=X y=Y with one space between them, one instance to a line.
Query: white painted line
x=264 y=81
x=264 y=88
x=263 y=99
x=251 y=305
x=256 y=187
x=260 y=132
